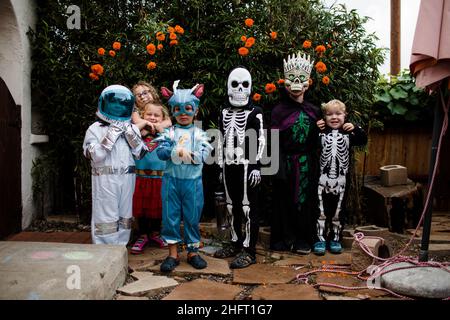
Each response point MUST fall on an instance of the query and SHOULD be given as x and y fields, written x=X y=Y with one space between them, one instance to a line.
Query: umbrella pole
x=437 y=127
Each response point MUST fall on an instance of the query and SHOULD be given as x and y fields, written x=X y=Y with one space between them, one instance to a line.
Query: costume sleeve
x=257 y=124
x=357 y=137
x=134 y=139
x=202 y=147
x=220 y=141
x=92 y=147
x=166 y=145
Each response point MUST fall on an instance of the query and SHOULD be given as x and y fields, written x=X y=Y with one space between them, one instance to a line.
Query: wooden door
x=10 y=164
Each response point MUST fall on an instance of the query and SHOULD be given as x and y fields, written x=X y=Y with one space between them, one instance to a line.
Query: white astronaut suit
x=112 y=145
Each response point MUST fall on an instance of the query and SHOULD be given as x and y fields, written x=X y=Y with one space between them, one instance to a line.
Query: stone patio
x=273 y=277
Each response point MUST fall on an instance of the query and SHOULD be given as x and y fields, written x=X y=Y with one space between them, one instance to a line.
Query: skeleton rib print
x=235 y=121
x=334 y=160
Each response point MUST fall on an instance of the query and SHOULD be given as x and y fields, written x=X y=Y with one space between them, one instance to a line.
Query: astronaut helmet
x=239 y=87
x=115 y=103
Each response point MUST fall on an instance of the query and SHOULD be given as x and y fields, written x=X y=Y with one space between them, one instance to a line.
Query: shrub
x=196 y=41
x=399 y=100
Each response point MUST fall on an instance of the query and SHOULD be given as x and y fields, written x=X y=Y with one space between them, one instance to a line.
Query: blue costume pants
x=182 y=198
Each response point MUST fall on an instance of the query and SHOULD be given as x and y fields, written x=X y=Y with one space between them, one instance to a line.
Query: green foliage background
x=398 y=101
x=66 y=97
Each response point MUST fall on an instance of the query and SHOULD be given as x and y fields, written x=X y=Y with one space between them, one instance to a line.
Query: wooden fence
x=409 y=147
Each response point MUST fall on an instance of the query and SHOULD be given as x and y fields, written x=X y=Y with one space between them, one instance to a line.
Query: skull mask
x=239 y=87
x=297 y=70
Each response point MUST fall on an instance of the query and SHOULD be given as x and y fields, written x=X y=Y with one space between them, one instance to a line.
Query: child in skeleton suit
x=336 y=138
x=110 y=144
x=241 y=168
x=184 y=147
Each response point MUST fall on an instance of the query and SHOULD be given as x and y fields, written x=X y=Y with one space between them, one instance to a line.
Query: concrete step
x=61 y=271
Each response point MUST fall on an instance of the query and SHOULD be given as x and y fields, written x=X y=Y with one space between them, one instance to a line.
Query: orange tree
x=196 y=41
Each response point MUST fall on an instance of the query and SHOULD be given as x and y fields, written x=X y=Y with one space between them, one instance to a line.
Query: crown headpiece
x=299 y=61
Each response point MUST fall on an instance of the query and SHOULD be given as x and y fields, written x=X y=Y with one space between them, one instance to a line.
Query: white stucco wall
x=16 y=16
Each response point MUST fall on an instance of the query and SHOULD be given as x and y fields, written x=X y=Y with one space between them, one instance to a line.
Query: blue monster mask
x=183 y=97
x=116 y=103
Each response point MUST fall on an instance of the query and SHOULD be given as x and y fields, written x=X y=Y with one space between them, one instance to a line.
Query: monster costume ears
x=197 y=90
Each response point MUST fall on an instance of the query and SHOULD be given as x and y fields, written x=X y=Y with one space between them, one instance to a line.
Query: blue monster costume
x=182 y=189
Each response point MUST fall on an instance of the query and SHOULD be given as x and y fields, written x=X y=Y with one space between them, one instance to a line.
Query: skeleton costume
x=241 y=125
x=110 y=145
x=294 y=187
x=334 y=164
x=182 y=188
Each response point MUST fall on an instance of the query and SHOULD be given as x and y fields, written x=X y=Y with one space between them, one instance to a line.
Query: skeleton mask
x=239 y=87
x=297 y=70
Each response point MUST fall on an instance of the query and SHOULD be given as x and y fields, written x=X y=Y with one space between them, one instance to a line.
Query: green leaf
x=413 y=100
x=398 y=93
x=398 y=109
x=385 y=97
x=407 y=86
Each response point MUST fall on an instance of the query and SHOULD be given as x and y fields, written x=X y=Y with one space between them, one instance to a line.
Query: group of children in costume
x=145 y=167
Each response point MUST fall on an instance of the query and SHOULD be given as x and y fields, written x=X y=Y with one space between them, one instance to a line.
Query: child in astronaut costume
x=240 y=161
x=184 y=147
x=336 y=138
x=110 y=144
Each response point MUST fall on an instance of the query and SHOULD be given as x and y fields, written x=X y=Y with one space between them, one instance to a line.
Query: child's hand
x=144 y=132
x=321 y=124
x=348 y=126
x=158 y=127
x=184 y=155
x=150 y=127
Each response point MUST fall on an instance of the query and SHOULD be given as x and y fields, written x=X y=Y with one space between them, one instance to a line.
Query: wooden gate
x=10 y=164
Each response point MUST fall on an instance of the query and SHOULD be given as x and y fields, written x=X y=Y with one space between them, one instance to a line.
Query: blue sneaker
x=335 y=247
x=319 y=248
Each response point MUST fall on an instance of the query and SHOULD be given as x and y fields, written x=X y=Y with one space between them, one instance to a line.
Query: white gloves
x=113 y=133
x=132 y=137
x=254 y=178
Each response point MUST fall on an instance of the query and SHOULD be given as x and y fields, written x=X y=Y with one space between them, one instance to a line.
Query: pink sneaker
x=139 y=245
x=159 y=241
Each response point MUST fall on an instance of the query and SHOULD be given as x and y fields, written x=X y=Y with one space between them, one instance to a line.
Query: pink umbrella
x=430 y=65
x=430 y=56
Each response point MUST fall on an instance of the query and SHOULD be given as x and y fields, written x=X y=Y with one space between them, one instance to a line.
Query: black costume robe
x=295 y=184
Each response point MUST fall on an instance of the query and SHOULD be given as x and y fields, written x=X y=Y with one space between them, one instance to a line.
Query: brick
x=392 y=175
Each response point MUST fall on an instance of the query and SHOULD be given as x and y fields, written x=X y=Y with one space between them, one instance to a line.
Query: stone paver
x=418 y=281
x=122 y=297
x=147 y=285
x=271 y=277
x=346 y=281
x=202 y=289
x=264 y=274
x=210 y=250
x=60 y=236
x=60 y=271
x=342 y=259
x=146 y=260
x=339 y=298
x=139 y=275
x=441 y=250
x=285 y=292
x=215 y=266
